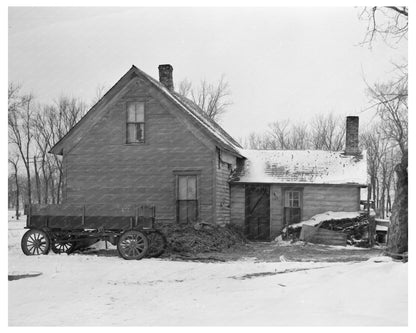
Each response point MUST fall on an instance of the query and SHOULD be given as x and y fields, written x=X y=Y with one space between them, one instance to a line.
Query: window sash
x=187 y=198
x=292 y=215
x=135 y=112
x=292 y=199
x=187 y=187
x=135 y=132
x=135 y=122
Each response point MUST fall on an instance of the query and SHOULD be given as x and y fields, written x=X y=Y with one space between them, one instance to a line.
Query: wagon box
x=66 y=227
x=91 y=216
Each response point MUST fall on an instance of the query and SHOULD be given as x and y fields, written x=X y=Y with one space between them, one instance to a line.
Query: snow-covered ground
x=98 y=290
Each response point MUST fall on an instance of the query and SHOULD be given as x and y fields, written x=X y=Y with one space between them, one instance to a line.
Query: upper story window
x=135 y=122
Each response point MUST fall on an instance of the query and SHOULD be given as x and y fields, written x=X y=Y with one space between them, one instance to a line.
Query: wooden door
x=257 y=224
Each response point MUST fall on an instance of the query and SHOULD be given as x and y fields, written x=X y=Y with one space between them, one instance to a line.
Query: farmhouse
x=143 y=143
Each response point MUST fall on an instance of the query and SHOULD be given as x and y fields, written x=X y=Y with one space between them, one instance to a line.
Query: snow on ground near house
x=98 y=290
x=316 y=219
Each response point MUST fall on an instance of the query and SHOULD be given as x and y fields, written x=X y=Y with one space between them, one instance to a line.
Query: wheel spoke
x=136 y=250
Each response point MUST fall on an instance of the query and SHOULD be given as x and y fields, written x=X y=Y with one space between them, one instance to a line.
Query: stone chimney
x=351 y=136
x=165 y=76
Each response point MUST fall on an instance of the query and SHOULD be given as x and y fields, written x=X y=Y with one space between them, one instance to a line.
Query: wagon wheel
x=59 y=247
x=157 y=243
x=35 y=242
x=132 y=245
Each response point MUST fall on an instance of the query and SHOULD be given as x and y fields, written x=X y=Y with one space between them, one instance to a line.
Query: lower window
x=187 y=202
x=292 y=215
x=292 y=206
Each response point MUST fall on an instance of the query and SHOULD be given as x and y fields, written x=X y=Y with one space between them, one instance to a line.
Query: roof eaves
x=232 y=146
x=57 y=149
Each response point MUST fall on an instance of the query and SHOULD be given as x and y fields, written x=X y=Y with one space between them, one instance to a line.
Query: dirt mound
x=199 y=238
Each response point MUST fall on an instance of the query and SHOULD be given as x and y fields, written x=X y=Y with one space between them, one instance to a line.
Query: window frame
x=127 y=122
x=288 y=194
x=187 y=173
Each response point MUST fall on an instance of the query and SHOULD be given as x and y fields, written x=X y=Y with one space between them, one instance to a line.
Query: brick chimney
x=351 y=136
x=165 y=76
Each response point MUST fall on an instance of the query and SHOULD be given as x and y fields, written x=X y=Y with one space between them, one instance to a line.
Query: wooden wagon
x=67 y=227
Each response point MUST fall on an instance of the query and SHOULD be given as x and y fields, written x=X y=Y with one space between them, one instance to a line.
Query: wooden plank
x=87 y=210
x=56 y=210
x=237 y=204
x=322 y=236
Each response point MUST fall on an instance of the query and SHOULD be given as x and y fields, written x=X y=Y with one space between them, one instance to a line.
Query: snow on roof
x=301 y=166
x=196 y=112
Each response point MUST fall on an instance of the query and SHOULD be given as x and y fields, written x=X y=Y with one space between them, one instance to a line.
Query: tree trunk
x=37 y=179
x=29 y=184
x=388 y=201
x=46 y=184
x=17 y=192
x=53 y=190
x=398 y=233
x=17 y=199
x=58 y=192
x=382 y=203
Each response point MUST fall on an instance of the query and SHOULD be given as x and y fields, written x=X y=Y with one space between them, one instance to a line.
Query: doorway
x=257 y=212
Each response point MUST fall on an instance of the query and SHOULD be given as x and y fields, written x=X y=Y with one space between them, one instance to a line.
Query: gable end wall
x=101 y=168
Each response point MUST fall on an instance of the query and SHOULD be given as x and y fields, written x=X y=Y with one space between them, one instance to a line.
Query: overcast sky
x=280 y=62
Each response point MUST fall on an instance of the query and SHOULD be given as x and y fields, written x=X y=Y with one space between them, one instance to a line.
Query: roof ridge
x=209 y=124
x=204 y=115
x=216 y=131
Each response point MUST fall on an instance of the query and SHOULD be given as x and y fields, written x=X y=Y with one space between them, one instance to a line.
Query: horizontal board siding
x=320 y=199
x=223 y=195
x=237 y=204
x=276 y=210
x=316 y=200
x=322 y=236
x=102 y=168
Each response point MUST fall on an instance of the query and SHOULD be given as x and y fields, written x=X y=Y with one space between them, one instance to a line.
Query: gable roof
x=190 y=109
x=301 y=167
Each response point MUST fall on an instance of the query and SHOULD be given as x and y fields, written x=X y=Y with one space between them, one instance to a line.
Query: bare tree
x=56 y=121
x=299 y=137
x=213 y=99
x=33 y=131
x=390 y=102
x=99 y=93
x=390 y=23
x=14 y=162
x=382 y=156
x=185 y=87
x=279 y=132
x=20 y=118
x=328 y=132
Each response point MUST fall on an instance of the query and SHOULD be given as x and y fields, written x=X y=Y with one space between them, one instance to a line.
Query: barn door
x=257 y=224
